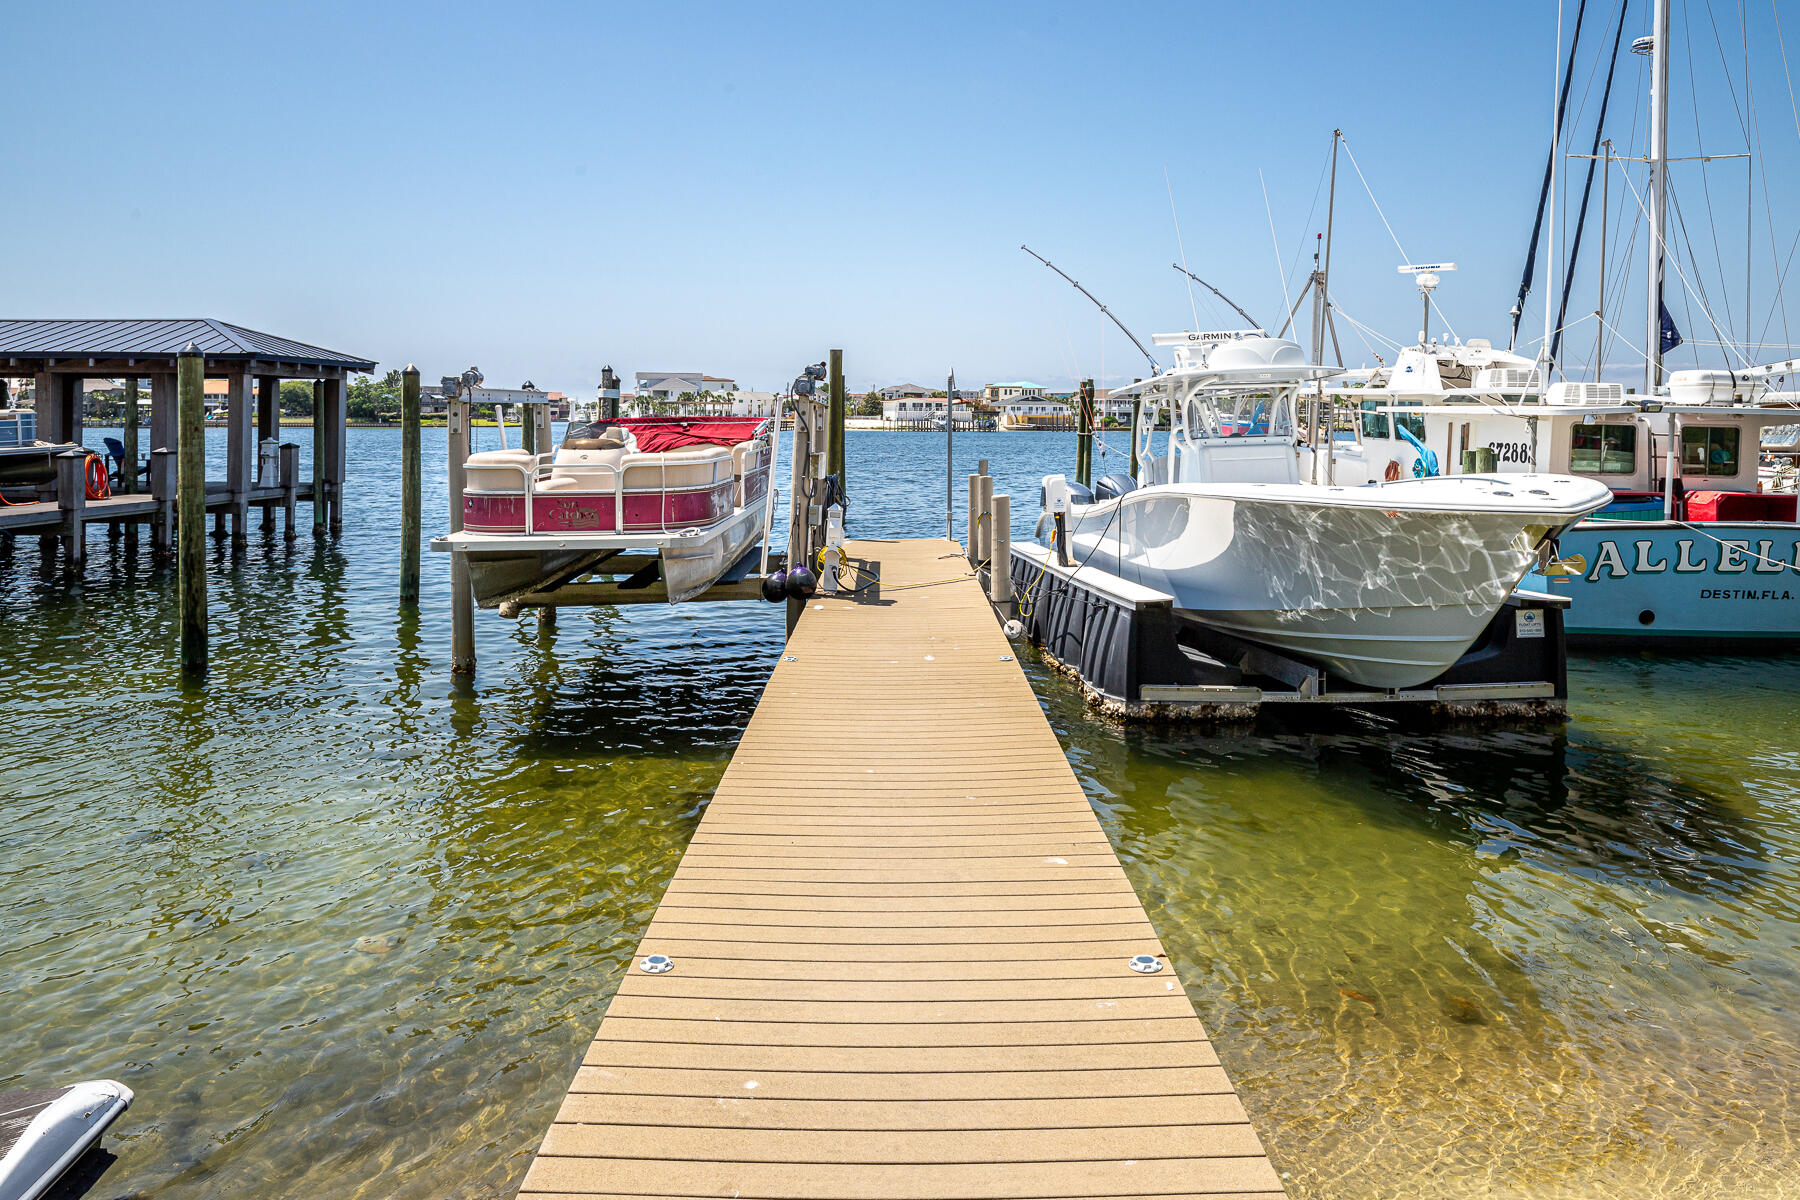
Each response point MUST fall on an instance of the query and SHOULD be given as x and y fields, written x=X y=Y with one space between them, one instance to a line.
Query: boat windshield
x=1219 y=414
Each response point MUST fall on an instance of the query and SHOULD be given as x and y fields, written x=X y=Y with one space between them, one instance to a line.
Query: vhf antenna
x=1155 y=367
x=1221 y=295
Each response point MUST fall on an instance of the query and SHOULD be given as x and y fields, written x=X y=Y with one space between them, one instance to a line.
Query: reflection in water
x=346 y=924
x=1511 y=962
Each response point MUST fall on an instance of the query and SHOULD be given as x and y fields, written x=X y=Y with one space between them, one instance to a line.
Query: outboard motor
x=1074 y=493
x=1111 y=487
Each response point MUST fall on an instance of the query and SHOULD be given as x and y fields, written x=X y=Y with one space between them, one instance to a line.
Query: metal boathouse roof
x=217 y=340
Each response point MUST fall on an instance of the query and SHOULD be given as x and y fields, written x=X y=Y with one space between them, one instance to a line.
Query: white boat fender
x=44 y=1131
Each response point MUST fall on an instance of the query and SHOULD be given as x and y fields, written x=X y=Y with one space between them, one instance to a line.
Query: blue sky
x=541 y=189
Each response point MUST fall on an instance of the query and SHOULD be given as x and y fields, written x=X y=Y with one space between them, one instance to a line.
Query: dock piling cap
x=411 y=369
x=191 y=350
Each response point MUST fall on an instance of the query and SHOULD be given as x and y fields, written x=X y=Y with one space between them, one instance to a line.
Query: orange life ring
x=98 y=486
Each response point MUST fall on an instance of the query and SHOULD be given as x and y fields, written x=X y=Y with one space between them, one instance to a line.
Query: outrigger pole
x=1155 y=367
x=1221 y=295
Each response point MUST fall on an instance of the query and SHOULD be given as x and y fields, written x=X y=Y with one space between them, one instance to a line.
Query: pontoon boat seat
x=675 y=470
x=497 y=470
x=588 y=470
x=742 y=455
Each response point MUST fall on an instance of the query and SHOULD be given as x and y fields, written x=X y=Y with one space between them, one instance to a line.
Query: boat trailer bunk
x=1138 y=661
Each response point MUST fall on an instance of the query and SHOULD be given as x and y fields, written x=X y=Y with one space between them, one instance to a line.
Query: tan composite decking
x=900 y=941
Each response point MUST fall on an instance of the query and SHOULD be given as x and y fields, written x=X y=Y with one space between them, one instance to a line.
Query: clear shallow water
x=346 y=927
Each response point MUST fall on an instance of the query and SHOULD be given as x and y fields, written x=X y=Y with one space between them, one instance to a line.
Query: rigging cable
x=1587 y=188
x=1286 y=300
x=1537 y=226
x=1345 y=142
x=1193 y=307
x=1700 y=143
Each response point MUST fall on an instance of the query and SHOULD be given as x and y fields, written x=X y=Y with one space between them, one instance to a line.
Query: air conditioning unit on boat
x=1506 y=379
x=1702 y=387
x=1570 y=392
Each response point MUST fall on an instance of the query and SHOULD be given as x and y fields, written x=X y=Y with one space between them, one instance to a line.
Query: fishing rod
x=1155 y=367
x=1221 y=295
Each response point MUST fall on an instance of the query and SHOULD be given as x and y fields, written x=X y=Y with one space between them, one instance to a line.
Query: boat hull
x=511 y=566
x=1644 y=582
x=1372 y=584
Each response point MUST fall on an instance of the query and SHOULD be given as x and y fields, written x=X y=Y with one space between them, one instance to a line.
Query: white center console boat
x=1385 y=584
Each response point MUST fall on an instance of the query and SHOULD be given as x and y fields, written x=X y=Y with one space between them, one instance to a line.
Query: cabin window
x=1413 y=425
x=1603 y=450
x=1374 y=424
x=1709 y=450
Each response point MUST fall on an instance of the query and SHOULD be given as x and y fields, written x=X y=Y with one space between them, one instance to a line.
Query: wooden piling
x=981 y=532
x=268 y=427
x=162 y=487
x=1084 y=435
x=336 y=405
x=190 y=502
x=1137 y=415
x=240 y=454
x=799 y=552
x=1000 y=558
x=462 y=595
x=318 y=463
x=973 y=551
x=128 y=472
x=71 y=504
x=290 y=487
x=409 y=486
x=834 y=440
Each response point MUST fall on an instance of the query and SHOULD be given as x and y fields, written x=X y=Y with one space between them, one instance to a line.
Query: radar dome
x=1256 y=353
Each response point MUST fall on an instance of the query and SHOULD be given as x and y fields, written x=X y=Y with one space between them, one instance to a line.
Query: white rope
x=1179 y=245
x=1430 y=299
x=1743 y=550
x=1287 y=301
x=1674 y=260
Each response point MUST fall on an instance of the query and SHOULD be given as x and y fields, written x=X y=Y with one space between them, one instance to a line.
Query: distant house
x=903 y=391
x=668 y=385
x=1000 y=393
x=920 y=408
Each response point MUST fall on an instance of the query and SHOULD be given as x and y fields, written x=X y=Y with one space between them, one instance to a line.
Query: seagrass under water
x=346 y=928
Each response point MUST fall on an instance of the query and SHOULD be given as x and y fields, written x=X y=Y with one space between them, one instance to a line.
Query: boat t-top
x=1386 y=583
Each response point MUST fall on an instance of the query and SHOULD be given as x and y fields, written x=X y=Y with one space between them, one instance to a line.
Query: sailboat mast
x=1556 y=115
x=1656 y=187
x=1600 y=305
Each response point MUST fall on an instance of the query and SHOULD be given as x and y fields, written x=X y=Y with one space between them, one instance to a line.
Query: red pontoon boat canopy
x=657 y=434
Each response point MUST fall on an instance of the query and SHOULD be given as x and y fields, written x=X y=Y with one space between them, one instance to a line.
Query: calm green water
x=346 y=927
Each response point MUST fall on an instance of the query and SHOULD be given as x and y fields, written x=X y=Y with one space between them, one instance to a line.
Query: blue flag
x=1671 y=336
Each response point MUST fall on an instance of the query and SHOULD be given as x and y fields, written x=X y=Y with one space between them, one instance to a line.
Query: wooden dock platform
x=46 y=516
x=901 y=948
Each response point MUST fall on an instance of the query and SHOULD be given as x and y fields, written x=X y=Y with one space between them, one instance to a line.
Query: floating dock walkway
x=901 y=949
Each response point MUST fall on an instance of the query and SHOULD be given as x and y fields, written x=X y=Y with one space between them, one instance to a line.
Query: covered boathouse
x=59 y=355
